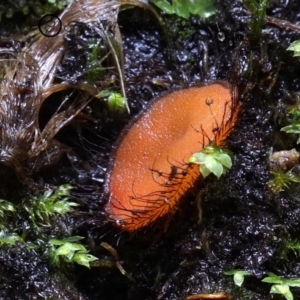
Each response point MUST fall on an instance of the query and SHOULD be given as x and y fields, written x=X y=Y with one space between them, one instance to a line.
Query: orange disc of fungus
x=149 y=171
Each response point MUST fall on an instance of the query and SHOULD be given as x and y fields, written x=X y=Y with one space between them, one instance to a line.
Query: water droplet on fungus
x=149 y=171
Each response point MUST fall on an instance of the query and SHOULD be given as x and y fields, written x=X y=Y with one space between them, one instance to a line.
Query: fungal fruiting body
x=149 y=170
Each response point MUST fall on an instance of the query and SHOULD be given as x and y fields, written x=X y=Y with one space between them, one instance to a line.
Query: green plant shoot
x=52 y=202
x=295 y=124
x=282 y=180
x=238 y=276
x=6 y=208
x=69 y=250
x=258 y=9
x=295 y=46
x=282 y=285
x=9 y=239
x=183 y=8
x=212 y=159
x=293 y=245
x=116 y=102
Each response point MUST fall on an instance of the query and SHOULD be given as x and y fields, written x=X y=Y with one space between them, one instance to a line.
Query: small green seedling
x=282 y=180
x=60 y=4
x=52 y=202
x=6 y=208
x=69 y=250
x=282 y=285
x=238 y=276
x=295 y=46
x=212 y=159
x=258 y=9
x=9 y=239
x=183 y=8
x=295 y=124
x=116 y=102
x=293 y=245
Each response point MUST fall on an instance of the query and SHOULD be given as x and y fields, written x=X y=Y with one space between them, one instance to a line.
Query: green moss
x=282 y=285
x=10 y=8
x=238 y=276
x=294 y=126
x=185 y=8
x=39 y=213
x=258 y=9
x=295 y=46
x=68 y=250
x=42 y=208
x=282 y=180
x=212 y=159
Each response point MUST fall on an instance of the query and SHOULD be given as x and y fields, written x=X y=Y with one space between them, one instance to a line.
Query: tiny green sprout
x=9 y=239
x=258 y=9
x=6 y=209
x=282 y=285
x=212 y=159
x=282 y=180
x=5 y=206
x=41 y=208
x=293 y=245
x=116 y=102
x=69 y=250
x=238 y=276
x=295 y=46
x=183 y=8
x=294 y=127
x=60 y=4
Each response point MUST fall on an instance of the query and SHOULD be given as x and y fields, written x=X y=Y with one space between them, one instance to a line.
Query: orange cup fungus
x=149 y=171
